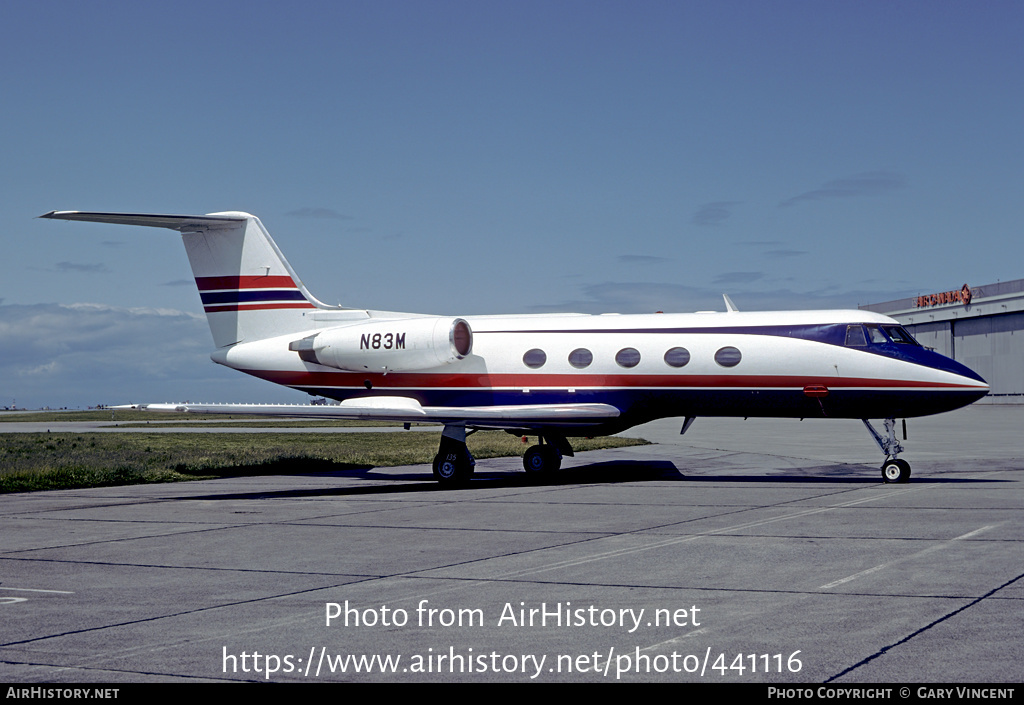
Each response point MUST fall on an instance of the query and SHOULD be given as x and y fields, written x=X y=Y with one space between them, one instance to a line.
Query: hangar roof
x=962 y=302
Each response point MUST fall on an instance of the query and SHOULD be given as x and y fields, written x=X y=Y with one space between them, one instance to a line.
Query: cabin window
x=628 y=357
x=535 y=358
x=855 y=336
x=580 y=358
x=728 y=357
x=677 y=357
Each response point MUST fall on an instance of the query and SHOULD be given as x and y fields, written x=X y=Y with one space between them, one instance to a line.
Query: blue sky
x=492 y=157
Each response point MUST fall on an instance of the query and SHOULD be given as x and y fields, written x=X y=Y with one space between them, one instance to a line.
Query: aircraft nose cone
x=973 y=389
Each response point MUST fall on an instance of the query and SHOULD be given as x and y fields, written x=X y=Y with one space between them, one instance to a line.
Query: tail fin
x=249 y=290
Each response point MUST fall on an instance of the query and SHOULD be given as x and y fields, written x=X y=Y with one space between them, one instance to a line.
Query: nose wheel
x=895 y=470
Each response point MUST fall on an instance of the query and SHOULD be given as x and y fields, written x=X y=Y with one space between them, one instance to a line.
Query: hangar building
x=982 y=327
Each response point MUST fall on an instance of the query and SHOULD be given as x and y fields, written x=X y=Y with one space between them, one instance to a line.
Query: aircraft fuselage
x=781 y=364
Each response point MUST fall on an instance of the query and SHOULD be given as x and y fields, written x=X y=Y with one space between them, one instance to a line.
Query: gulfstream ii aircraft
x=553 y=376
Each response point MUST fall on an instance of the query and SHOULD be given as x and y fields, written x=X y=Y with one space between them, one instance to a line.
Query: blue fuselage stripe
x=640 y=405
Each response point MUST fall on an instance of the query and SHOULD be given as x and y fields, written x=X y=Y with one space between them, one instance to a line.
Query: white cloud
x=85 y=354
x=870 y=183
x=714 y=213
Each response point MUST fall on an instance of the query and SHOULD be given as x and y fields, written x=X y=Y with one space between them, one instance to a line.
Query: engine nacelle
x=400 y=345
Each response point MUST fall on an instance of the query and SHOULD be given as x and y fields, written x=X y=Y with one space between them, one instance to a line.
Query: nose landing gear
x=894 y=469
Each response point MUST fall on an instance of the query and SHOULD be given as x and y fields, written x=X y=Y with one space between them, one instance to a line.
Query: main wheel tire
x=452 y=468
x=895 y=470
x=541 y=460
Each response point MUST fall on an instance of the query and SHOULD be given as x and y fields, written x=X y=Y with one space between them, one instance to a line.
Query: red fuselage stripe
x=569 y=381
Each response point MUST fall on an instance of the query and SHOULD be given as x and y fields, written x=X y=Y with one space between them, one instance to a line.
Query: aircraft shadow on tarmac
x=611 y=472
x=598 y=473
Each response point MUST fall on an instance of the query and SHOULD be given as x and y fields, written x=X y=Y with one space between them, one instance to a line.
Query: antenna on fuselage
x=729 y=305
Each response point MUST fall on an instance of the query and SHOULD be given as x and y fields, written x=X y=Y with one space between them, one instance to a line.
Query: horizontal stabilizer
x=181 y=223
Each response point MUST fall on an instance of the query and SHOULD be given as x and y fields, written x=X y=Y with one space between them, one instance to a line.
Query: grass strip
x=43 y=461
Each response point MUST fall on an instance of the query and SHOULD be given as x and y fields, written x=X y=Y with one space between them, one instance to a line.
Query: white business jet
x=553 y=376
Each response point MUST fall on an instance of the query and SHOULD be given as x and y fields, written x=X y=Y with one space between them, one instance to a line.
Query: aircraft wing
x=409 y=410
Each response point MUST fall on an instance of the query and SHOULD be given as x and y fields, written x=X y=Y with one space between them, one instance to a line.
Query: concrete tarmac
x=745 y=551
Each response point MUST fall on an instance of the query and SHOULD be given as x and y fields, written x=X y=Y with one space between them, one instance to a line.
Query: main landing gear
x=453 y=464
x=546 y=457
x=893 y=469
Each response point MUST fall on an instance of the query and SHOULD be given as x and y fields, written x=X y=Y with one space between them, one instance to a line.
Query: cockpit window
x=855 y=336
x=900 y=335
x=876 y=335
x=870 y=334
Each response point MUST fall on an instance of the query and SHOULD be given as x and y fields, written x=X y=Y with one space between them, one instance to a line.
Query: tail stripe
x=252 y=296
x=251 y=293
x=216 y=283
x=255 y=307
